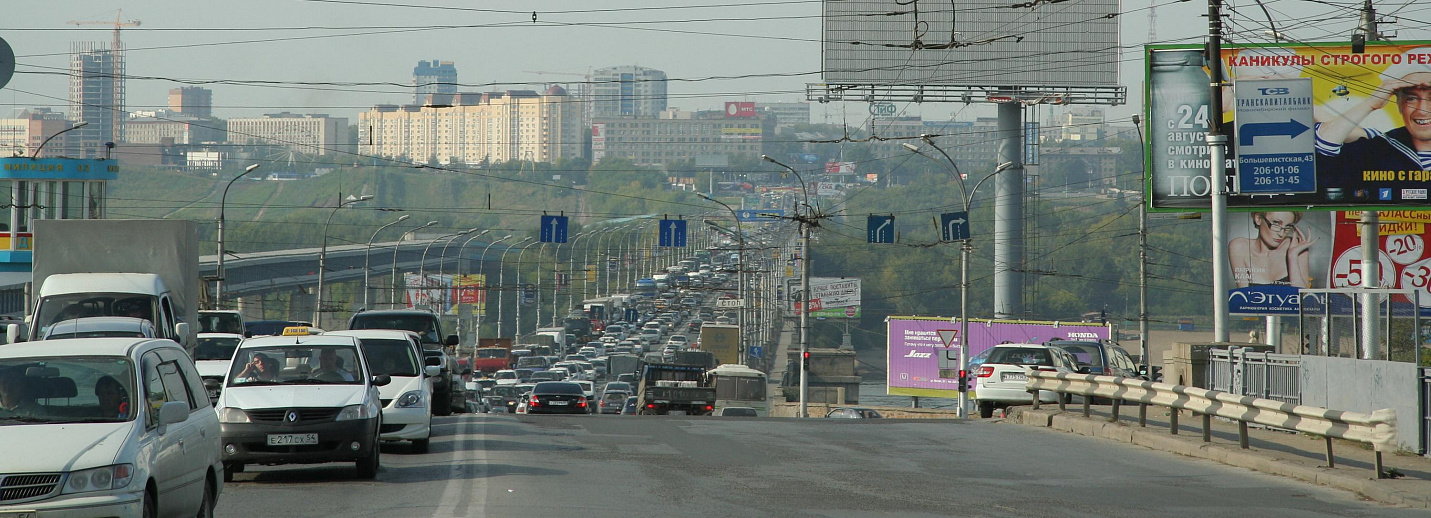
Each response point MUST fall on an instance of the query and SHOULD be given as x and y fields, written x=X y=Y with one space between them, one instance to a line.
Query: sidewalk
x=1270 y=451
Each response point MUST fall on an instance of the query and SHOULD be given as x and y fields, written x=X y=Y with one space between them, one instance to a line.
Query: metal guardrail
x=1246 y=372
x=1426 y=411
x=1377 y=428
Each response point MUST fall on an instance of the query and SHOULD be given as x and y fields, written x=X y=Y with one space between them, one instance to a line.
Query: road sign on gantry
x=1275 y=144
x=554 y=229
x=881 y=229
x=954 y=226
x=673 y=232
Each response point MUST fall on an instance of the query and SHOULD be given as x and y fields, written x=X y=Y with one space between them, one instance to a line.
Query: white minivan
x=106 y=427
x=407 y=399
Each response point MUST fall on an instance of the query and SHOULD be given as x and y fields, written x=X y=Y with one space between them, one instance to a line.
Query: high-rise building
x=96 y=96
x=21 y=134
x=628 y=91
x=476 y=128
x=679 y=136
x=314 y=134
x=786 y=114
x=194 y=101
x=433 y=77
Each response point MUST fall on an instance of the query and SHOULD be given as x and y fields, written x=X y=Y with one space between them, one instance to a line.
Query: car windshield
x=68 y=389
x=221 y=323
x=58 y=308
x=296 y=364
x=1085 y=353
x=557 y=387
x=506 y=375
x=614 y=396
x=492 y=352
x=507 y=391
x=390 y=356
x=1020 y=356
x=216 y=347
x=421 y=324
x=96 y=334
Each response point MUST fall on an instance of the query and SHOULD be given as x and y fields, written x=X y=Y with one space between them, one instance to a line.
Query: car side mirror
x=12 y=333
x=1084 y=369
x=433 y=361
x=181 y=330
x=450 y=341
x=431 y=370
x=173 y=412
x=381 y=380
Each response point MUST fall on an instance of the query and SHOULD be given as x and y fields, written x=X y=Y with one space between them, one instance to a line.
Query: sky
x=342 y=56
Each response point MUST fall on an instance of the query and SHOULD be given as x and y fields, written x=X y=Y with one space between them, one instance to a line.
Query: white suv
x=1003 y=378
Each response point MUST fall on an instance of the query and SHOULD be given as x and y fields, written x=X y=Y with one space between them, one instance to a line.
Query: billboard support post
x=1009 y=217
x=1370 y=238
x=1216 y=141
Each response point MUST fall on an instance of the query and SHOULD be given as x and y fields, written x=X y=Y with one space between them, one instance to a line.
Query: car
x=524 y=375
x=738 y=411
x=506 y=377
x=425 y=323
x=254 y=328
x=481 y=386
x=853 y=413
x=116 y=427
x=100 y=327
x=504 y=398
x=629 y=408
x=211 y=358
x=405 y=400
x=301 y=400
x=612 y=401
x=1099 y=358
x=679 y=340
x=588 y=389
x=616 y=386
x=1002 y=379
x=535 y=363
x=457 y=396
x=557 y=397
x=442 y=385
x=628 y=378
x=549 y=375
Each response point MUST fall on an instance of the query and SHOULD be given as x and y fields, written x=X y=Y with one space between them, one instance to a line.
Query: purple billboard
x=917 y=347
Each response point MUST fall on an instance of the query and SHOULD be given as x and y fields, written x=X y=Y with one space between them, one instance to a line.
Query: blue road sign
x=750 y=215
x=673 y=232
x=529 y=294
x=1275 y=143
x=756 y=351
x=554 y=229
x=954 y=226
x=881 y=229
x=632 y=314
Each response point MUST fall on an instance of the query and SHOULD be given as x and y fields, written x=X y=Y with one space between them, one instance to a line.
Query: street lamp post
x=804 y=286
x=422 y=261
x=392 y=297
x=81 y=124
x=477 y=326
x=739 y=273
x=520 y=288
x=502 y=283
x=967 y=197
x=323 y=255
x=367 y=257
x=218 y=285
x=442 y=259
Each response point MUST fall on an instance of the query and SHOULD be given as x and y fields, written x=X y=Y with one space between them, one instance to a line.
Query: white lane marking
x=466 y=495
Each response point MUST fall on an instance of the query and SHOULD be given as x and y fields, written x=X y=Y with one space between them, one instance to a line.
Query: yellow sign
x=296 y=331
x=590 y=273
x=26 y=241
x=1396 y=228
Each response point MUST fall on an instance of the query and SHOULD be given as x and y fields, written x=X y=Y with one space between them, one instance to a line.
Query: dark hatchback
x=557 y=397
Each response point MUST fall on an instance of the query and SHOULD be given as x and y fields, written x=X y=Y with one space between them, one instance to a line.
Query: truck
x=722 y=340
x=674 y=389
x=492 y=355
x=104 y=267
x=617 y=364
x=557 y=334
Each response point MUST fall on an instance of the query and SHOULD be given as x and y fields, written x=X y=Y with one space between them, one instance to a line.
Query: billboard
x=833 y=167
x=598 y=141
x=471 y=289
x=826 y=293
x=1366 y=141
x=981 y=42
x=917 y=351
x=741 y=109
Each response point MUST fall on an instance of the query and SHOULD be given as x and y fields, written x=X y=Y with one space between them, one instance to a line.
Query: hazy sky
x=269 y=47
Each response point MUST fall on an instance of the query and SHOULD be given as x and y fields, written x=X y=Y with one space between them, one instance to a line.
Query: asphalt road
x=590 y=466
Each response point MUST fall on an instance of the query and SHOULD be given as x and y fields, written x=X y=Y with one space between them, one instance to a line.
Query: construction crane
x=583 y=91
x=117 y=60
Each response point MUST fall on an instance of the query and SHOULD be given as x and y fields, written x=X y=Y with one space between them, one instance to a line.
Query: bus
x=739 y=386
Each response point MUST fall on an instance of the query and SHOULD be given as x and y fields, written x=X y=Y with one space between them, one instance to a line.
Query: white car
x=100 y=327
x=108 y=427
x=588 y=389
x=212 y=358
x=507 y=377
x=301 y=400
x=407 y=399
x=1003 y=378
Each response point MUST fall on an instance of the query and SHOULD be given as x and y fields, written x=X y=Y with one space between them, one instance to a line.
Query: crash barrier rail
x=1242 y=371
x=1377 y=428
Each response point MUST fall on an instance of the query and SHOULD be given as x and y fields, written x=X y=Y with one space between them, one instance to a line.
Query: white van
x=407 y=400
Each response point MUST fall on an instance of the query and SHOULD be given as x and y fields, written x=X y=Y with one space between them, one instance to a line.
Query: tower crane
x=116 y=54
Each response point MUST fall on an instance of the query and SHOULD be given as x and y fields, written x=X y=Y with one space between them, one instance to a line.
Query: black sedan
x=557 y=397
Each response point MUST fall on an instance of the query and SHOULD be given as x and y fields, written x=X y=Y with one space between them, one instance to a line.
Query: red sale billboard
x=740 y=109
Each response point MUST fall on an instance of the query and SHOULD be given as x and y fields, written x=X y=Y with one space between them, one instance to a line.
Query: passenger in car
x=330 y=367
x=113 y=399
x=261 y=368
x=16 y=399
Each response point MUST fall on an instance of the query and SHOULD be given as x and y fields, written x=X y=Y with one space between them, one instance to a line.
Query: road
x=590 y=466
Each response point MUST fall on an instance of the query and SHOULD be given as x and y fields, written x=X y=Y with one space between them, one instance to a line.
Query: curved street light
x=36 y=152
x=501 y=282
x=422 y=261
x=804 y=288
x=323 y=254
x=477 y=326
x=392 y=296
x=367 y=257
x=521 y=288
x=219 y=285
x=442 y=259
x=739 y=272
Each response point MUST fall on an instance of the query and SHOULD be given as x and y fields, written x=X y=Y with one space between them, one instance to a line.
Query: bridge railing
x=1377 y=428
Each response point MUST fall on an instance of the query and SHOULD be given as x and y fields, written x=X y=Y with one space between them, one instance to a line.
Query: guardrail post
x=1379 y=472
x=1207 y=428
x=1114 y=417
x=1331 y=461
x=1143 y=415
x=1242 y=434
x=1173 y=420
x=1035 y=399
x=1087 y=405
x=1062 y=401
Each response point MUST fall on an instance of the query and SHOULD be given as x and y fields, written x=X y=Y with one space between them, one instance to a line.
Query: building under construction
x=96 y=95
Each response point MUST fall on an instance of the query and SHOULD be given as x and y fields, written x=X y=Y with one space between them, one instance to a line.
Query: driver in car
x=15 y=398
x=330 y=367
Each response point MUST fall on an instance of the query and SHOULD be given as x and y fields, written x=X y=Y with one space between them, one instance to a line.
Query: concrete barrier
x=784 y=409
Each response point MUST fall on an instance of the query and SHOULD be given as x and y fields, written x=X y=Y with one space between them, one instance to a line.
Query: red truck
x=493 y=354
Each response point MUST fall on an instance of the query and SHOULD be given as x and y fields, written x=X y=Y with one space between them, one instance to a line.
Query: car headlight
x=99 y=479
x=352 y=412
x=411 y=399
x=230 y=415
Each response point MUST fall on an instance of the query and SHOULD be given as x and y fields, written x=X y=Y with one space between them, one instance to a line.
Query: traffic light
x=963 y=381
x=805 y=360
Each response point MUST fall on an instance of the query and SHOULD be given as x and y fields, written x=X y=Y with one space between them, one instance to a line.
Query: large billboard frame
x=1324 y=63
x=920 y=359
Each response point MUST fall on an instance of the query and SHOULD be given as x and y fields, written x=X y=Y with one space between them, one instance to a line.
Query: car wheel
x=368 y=468
x=986 y=409
x=230 y=468
x=421 y=445
x=206 y=506
x=151 y=503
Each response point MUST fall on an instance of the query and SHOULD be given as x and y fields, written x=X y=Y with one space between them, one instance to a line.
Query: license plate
x=292 y=439
x=677 y=412
x=18 y=514
x=698 y=402
x=558 y=403
x=1014 y=376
